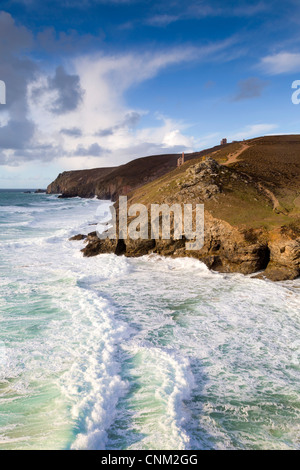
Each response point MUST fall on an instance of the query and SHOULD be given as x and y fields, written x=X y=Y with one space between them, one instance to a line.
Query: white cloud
x=162 y=20
x=282 y=62
x=93 y=124
x=201 y=9
x=103 y=119
x=175 y=137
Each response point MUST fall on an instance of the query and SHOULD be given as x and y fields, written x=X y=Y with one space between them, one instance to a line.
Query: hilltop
x=251 y=193
x=259 y=178
x=110 y=183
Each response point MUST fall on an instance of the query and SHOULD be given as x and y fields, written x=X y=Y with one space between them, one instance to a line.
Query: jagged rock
x=225 y=248
x=65 y=196
x=202 y=179
x=77 y=237
x=284 y=258
x=96 y=246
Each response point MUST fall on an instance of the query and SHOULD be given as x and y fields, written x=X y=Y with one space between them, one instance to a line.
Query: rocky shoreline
x=225 y=250
x=250 y=191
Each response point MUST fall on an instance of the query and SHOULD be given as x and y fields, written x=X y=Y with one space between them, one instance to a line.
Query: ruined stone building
x=180 y=160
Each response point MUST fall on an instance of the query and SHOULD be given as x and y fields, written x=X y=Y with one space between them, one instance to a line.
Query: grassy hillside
x=261 y=188
x=109 y=183
x=250 y=192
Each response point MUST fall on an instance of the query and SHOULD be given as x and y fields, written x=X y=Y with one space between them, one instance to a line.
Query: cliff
x=251 y=193
x=109 y=183
x=78 y=183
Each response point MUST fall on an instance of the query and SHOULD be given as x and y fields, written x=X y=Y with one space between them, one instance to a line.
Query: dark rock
x=65 y=196
x=226 y=250
x=78 y=237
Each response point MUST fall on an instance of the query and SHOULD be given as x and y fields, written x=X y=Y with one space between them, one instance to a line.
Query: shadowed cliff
x=109 y=183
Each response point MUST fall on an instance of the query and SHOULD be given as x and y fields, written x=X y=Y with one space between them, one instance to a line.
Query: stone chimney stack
x=180 y=160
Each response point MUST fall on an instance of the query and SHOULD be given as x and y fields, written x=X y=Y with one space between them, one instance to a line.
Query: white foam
x=180 y=356
x=166 y=381
x=95 y=372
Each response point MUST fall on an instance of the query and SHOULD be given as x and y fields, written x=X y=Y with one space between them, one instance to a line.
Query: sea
x=148 y=353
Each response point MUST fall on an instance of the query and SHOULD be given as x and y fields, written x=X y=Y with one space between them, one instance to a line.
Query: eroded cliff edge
x=109 y=183
x=252 y=209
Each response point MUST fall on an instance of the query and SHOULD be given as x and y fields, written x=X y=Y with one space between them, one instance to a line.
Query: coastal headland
x=250 y=191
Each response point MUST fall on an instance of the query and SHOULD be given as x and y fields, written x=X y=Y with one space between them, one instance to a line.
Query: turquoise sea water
x=149 y=353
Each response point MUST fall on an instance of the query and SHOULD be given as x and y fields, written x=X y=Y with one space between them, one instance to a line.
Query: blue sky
x=96 y=83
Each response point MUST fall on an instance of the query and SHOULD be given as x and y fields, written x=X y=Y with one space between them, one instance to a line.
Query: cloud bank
x=75 y=111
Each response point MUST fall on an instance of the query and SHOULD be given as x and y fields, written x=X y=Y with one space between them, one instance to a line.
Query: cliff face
x=109 y=183
x=78 y=183
x=225 y=249
x=252 y=214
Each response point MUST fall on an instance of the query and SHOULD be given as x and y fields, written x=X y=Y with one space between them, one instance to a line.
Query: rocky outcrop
x=252 y=215
x=227 y=248
x=284 y=258
x=77 y=238
x=40 y=191
x=202 y=179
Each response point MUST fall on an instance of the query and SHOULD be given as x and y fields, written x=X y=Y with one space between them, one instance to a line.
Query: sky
x=97 y=83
